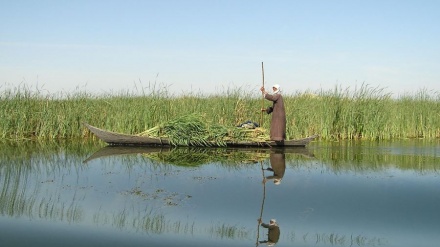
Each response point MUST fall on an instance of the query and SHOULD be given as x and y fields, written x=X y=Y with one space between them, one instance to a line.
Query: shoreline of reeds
x=365 y=113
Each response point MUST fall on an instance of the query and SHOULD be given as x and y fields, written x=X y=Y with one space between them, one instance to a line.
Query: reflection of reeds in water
x=50 y=210
x=229 y=232
x=359 y=157
x=17 y=201
x=335 y=239
x=200 y=156
x=21 y=195
x=30 y=162
x=146 y=222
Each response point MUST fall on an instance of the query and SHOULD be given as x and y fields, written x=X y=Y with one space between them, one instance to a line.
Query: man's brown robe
x=278 y=122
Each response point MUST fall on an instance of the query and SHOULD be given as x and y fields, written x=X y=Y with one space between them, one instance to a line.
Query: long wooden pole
x=262 y=206
x=262 y=100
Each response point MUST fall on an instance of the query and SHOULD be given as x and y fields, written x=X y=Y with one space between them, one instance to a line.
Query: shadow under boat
x=108 y=151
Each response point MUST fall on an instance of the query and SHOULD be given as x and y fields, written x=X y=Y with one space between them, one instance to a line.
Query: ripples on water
x=328 y=194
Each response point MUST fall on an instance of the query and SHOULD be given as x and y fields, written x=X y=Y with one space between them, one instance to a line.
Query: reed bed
x=362 y=113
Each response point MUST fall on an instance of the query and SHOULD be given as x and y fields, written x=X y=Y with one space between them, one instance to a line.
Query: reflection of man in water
x=273 y=234
x=278 y=167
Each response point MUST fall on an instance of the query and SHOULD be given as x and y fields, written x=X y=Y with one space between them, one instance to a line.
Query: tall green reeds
x=360 y=113
x=342 y=114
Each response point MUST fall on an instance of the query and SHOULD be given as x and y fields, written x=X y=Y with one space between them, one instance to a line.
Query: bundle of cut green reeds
x=194 y=130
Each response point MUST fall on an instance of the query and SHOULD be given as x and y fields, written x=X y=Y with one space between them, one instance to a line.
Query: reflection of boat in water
x=209 y=152
x=123 y=150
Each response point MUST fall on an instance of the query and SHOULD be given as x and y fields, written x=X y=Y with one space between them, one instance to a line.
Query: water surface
x=328 y=194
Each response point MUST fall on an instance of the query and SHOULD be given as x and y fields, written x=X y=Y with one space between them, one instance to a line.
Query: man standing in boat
x=278 y=122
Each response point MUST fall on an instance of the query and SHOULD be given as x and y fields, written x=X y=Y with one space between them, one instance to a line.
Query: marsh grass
x=361 y=113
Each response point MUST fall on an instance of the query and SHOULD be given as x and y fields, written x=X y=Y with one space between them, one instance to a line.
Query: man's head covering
x=278 y=88
x=272 y=222
x=277 y=181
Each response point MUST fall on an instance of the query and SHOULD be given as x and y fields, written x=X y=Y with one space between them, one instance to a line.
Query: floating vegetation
x=193 y=129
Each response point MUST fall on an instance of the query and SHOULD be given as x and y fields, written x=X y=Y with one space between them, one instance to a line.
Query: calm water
x=328 y=194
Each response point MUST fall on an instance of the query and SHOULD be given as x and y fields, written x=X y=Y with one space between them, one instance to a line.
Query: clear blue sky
x=208 y=45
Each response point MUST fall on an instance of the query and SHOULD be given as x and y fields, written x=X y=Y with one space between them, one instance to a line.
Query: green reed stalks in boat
x=192 y=129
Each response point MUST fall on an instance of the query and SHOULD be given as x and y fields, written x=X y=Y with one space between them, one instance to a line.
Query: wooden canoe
x=119 y=139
